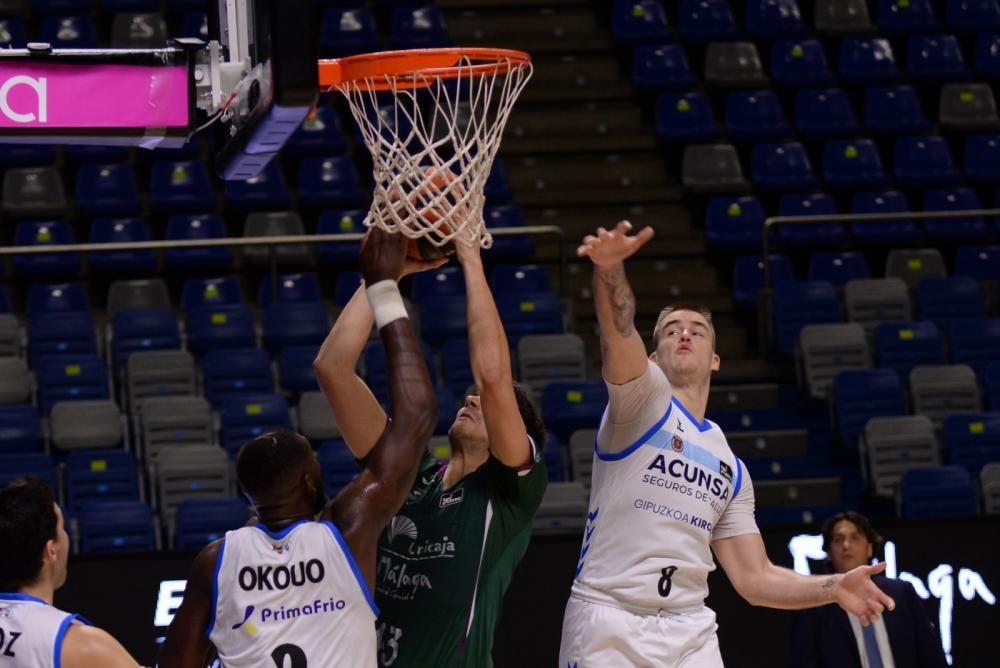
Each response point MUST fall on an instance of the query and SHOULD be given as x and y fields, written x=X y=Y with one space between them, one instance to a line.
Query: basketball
x=425 y=200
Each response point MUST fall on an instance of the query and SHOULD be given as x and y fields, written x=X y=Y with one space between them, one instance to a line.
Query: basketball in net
x=432 y=120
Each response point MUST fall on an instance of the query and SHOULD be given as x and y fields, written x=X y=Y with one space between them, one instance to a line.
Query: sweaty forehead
x=685 y=318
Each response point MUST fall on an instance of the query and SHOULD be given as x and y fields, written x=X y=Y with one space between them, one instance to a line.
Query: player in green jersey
x=446 y=559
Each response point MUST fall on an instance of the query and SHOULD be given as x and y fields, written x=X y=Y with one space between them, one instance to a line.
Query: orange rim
x=384 y=69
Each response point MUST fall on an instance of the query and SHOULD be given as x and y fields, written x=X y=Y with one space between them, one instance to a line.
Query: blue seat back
x=143 y=329
x=20 y=429
x=906 y=17
x=418 y=27
x=685 y=117
x=770 y=19
x=210 y=292
x=894 y=110
x=571 y=405
x=219 y=326
x=181 y=186
x=734 y=222
x=944 y=299
x=937 y=491
x=924 y=161
x=289 y=288
x=107 y=190
x=116 y=526
x=824 y=112
x=295 y=369
x=935 y=58
x=70 y=378
x=265 y=192
x=44 y=297
x=638 y=21
x=201 y=521
x=100 y=475
x=781 y=166
x=209 y=226
x=320 y=134
x=348 y=30
x=972 y=440
x=748 y=276
x=982 y=155
x=340 y=221
x=903 y=345
x=706 y=20
x=660 y=67
x=882 y=231
x=247 y=417
x=799 y=62
x=530 y=313
x=755 y=115
x=799 y=304
x=329 y=181
x=980 y=262
x=337 y=464
x=438 y=284
x=974 y=341
x=236 y=371
x=69 y=333
x=837 y=268
x=852 y=163
x=522 y=278
x=861 y=394
x=294 y=324
x=867 y=59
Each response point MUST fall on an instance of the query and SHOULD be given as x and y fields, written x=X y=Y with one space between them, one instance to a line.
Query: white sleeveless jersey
x=293 y=598
x=32 y=632
x=654 y=510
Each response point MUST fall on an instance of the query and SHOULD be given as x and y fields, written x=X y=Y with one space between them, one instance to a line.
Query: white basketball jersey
x=293 y=598
x=654 y=508
x=31 y=632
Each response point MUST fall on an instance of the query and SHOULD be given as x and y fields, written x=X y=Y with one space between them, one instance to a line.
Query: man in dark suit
x=825 y=637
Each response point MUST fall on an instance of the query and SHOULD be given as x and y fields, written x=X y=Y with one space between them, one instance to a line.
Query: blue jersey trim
x=278 y=535
x=13 y=596
x=354 y=565
x=616 y=456
x=60 y=636
x=703 y=426
x=739 y=476
x=215 y=589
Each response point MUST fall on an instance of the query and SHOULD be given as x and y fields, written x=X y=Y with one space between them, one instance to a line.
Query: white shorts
x=595 y=635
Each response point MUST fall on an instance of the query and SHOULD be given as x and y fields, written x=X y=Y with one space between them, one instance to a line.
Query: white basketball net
x=433 y=140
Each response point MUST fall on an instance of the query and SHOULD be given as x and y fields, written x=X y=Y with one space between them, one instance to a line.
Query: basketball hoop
x=422 y=112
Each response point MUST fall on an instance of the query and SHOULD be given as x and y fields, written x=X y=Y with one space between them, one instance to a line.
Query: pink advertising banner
x=77 y=95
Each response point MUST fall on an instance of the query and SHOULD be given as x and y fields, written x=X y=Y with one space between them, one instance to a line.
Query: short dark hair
x=682 y=306
x=271 y=460
x=858 y=520
x=27 y=522
x=532 y=420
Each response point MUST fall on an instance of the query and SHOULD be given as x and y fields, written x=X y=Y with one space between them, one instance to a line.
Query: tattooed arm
x=622 y=350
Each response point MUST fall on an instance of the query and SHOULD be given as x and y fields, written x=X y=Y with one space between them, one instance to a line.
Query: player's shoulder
x=86 y=645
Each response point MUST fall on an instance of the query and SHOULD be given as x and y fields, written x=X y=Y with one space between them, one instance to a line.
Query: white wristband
x=386 y=302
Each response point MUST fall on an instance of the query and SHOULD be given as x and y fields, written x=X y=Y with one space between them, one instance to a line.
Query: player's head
x=33 y=535
x=849 y=540
x=468 y=431
x=278 y=470
x=684 y=343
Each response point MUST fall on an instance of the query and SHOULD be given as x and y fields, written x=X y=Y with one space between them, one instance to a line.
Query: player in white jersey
x=33 y=559
x=666 y=493
x=295 y=589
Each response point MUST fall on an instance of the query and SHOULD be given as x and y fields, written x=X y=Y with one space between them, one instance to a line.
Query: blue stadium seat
x=937 y=491
x=734 y=223
x=534 y=313
x=975 y=342
x=555 y=465
x=810 y=235
x=45 y=265
x=954 y=229
x=345 y=31
x=638 y=22
x=661 y=67
x=685 y=118
x=133 y=330
x=944 y=299
x=289 y=288
x=12 y=33
x=335 y=221
x=209 y=258
x=81 y=154
x=991 y=385
x=894 y=110
x=219 y=326
x=329 y=182
x=293 y=324
x=438 y=283
x=116 y=526
x=68 y=32
x=295 y=369
x=852 y=163
x=445 y=318
x=320 y=134
x=782 y=166
x=799 y=63
x=799 y=304
x=181 y=187
x=455 y=365
x=60 y=7
x=246 y=417
x=748 y=276
x=906 y=16
x=4 y=300
x=265 y=192
x=100 y=475
x=195 y=24
x=377 y=367
x=337 y=464
x=706 y=21
x=973 y=15
x=972 y=440
x=17 y=465
x=418 y=27
x=858 y=395
x=824 y=112
x=70 y=378
x=882 y=231
x=387 y=119
x=497 y=190
x=988 y=56
x=447 y=406
x=104 y=190
x=49 y=297
x=513 y=247
x=837 y=268
x=510 y=279
x=210 y=292
x=755 y=115
x=236 y=371
x=982 y=159
x=120 y=262
x=60 y=334
x=980 y=262
x=867 y=60
x=900 y=346
x=201 y=521
x=924 y=161
x=771 y=19
x=571 y=405
x=935 y=58
x=345 y=285
x=24 y=155
x=20 y=429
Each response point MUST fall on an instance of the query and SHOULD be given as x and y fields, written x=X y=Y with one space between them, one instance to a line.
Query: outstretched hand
x=608 y=248
x=857 y=594
x=383 y=255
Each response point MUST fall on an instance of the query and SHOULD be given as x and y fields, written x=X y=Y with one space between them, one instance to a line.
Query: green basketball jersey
x=444 y=563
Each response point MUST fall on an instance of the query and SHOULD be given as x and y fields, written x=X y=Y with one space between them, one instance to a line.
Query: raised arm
x=187 y=644
x=367 y=503
x=623 y=353
x=489 y=356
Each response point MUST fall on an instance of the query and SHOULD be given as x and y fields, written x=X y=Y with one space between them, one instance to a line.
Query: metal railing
x=914 y=216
